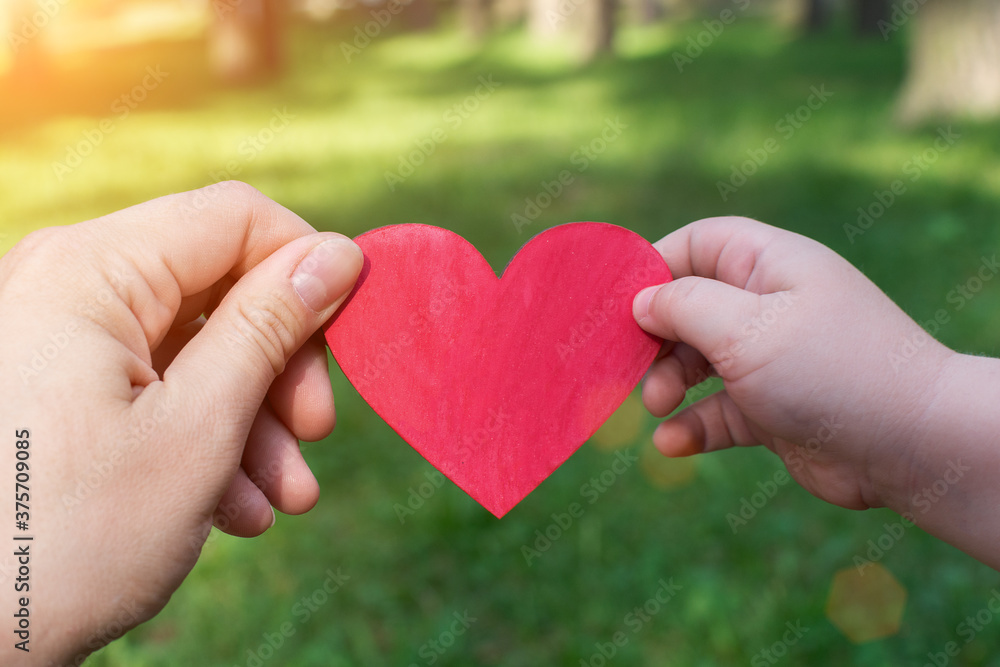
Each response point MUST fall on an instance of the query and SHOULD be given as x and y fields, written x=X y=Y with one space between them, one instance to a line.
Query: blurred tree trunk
x=647 y=12
x=871 y=14
x=816 y=15
x=510 y=12
x=476 y=18
x=245 y=40
x=591 y=22
x=599 y=38
x=420 y=15
x=954 y=67
x=544 y=19
x=30 y=64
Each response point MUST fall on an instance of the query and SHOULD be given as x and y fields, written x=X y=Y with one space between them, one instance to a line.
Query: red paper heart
x=497 y=381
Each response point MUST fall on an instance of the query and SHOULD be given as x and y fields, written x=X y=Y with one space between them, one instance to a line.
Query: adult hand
x=162 y=363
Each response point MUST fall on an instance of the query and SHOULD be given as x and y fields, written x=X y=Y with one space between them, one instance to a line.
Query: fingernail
x=274 y=519
x=327 y=273
x=640 y=307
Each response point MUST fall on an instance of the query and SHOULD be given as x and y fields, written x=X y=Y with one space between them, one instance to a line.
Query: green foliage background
x=685 y=131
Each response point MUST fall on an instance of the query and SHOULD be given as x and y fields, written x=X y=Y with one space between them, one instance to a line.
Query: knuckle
x=269 y=324
x=238 y=188
x=42 y=241
x=692 y=299
x=39 y=251
x=231 y=194
x=678 y=294
x=743 y=220
x=726 y=352
x=41 y=238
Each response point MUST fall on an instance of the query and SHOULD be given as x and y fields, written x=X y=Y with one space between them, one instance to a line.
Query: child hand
x=803 y=342
x=864 y=408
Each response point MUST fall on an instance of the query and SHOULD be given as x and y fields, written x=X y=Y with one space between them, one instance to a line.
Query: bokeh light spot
x=664 y=472
x=623 y=427
x=866 y=604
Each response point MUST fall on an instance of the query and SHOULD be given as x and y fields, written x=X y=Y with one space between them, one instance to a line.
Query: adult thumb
x=263 y=320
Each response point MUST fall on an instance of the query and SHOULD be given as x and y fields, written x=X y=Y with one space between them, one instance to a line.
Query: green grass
x=684 y=132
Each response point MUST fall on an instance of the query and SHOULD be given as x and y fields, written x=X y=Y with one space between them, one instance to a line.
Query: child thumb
x=709 y=315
